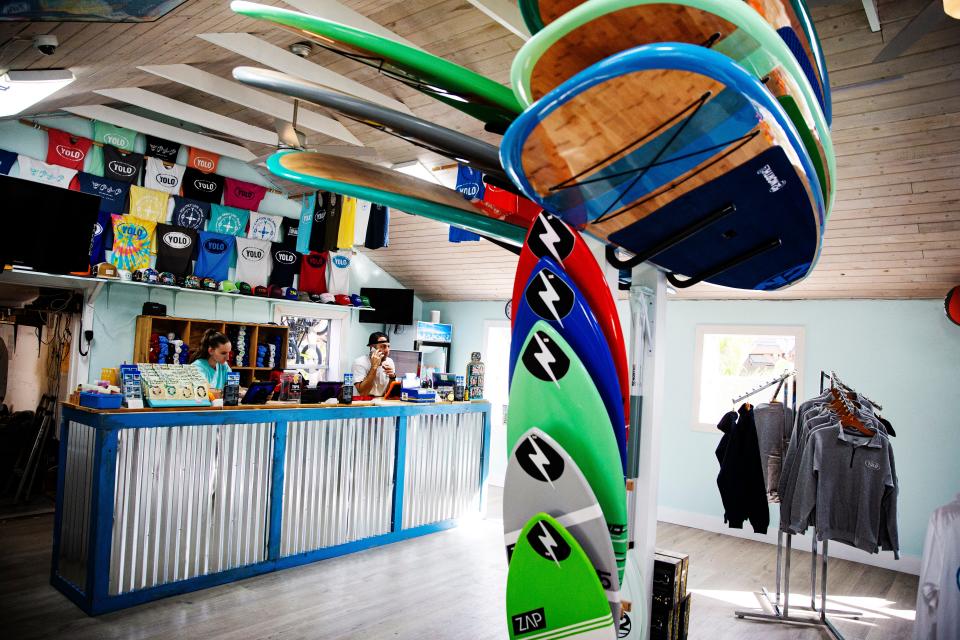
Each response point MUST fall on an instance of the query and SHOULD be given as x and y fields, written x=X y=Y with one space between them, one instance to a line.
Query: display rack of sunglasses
x=814 y=616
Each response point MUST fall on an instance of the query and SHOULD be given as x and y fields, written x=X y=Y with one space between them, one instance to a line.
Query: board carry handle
x=729 y=264
x=683 y=234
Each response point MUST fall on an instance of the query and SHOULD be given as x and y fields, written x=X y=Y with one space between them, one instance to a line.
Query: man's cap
x=377 y=336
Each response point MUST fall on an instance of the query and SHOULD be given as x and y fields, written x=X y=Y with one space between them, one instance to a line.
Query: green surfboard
x=552 y=391
x=552 y=590
x=598 y=29
x=450 y=83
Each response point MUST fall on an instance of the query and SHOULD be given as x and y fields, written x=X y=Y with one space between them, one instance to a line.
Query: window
x=313 y=343
x=732 y=360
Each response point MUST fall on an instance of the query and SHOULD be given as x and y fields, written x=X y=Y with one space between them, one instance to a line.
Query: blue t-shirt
x=113 y=194
x=214 y=255
x=192 y=214
x=102 y=236
x=217 y=377
x=7 y=158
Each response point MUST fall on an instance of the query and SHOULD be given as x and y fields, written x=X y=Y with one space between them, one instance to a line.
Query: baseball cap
x=105 y=270
x=304 y=296
x=209 y=284
x=274 y=291
x=377 y=337
x=192 y=282
x=261 y=291
x=355 y=300
x=244 y=288
x=316 y=297
x=365 y=300
x=327 y=298
x=342 y=299
x=151 y=276
x=290 y=293
x=123 y=274
x=168 y=279
x=228 y=286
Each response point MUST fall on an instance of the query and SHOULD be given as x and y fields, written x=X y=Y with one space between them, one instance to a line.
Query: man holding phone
x=372 y=373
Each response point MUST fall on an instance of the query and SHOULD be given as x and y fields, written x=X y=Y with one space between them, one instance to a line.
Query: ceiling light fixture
x=22 y=89
x=952 y=8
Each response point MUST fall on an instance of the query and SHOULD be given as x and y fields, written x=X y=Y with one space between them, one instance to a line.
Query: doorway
x=496 y=357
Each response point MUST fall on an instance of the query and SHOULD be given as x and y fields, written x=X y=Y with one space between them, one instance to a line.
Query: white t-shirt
x=380 y=380
x=360 y=222
x=254 y=261
x=338 y=272
x=264 y=226
x=163 y=176
x=40 y=171
x=938 y=594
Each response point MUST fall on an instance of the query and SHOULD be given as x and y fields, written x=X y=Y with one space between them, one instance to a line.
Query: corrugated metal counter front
x=154 y=503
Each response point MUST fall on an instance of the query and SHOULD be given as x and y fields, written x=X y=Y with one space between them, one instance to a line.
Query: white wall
x=26 y=367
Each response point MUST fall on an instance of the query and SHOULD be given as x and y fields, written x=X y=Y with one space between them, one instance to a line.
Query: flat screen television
x=50 y=228
x=391 y=306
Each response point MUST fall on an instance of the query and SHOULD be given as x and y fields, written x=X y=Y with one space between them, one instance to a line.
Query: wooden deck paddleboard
x=428 y=135
x=549 y=236
x=632 y=134
x=596 y=30
x=441 y=79
x=552 y=297
x=551 y=390
x=542 y=477
x=393 y=189
x=552 y=590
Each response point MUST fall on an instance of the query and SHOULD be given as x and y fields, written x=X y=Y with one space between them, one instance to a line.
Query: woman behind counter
x=211 y=358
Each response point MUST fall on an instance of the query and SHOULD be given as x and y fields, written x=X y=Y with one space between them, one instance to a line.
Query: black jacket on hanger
x=741 y=482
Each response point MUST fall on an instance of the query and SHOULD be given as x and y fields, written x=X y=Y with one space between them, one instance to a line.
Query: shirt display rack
x=782 y=614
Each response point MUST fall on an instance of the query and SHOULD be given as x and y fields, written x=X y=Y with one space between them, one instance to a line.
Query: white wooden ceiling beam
x=504 y=12
x=251 y=99
x=873 y=16
x=282 y=60
x=161 y=130
x=336 y=12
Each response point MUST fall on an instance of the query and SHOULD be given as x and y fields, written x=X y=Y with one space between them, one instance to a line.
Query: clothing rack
x=780 y=614
x=778 y=380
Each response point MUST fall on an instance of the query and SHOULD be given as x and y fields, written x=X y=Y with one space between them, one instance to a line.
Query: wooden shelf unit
x=191 y=331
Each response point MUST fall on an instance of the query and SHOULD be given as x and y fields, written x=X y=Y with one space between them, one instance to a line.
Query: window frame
x=797 y=331
x=337 y=320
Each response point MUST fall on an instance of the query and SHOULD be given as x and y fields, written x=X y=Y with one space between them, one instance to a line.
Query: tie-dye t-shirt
x=132 y=242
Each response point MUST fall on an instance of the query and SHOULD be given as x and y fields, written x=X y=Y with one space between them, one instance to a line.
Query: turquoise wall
x=903 y=354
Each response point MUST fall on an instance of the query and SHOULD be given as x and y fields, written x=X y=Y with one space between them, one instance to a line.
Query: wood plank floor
x=445 y=586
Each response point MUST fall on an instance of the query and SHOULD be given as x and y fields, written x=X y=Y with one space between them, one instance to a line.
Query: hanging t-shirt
x=67 y=150
x=214 y=255
x=308 y=204
x=327 y=204
x=245 y=195
x=332 y=231
x=7 y=160
x=121 y=165
x=200 y=186
x=378 y=229
x=291 y=233
x=163 y=176
x=228 y=220
x=253 y=261
x=202 y=160
x=114 y=136
x=149 y=204
x=188 y=213
x=39 y=171
x=345 y=233
x=360 y=221
x=132 y=243
x=286 y=264
x=176 y=249
x=162 y=149
x=338 y=272
x=113 y=194
x=458 y=235
x=313 y=272
x=102 y=238
x=265 y=227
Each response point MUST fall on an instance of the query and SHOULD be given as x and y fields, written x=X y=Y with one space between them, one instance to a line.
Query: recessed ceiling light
x=22 y=89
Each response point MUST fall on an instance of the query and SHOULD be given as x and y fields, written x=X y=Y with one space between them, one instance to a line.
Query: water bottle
x=346 y=393
x=458 y=389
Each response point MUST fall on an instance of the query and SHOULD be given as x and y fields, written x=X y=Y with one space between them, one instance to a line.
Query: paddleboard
x=542 y=477
x=549 y=236
x=394 y=189
x=552 y=297
x=552 y=590
x=441 y=79
x=428 y=135
x=596 y=30
x=634 y=614
x=551 y=390
x=640 y=130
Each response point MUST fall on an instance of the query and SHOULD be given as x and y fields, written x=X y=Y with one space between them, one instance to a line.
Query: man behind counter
x=372 y=373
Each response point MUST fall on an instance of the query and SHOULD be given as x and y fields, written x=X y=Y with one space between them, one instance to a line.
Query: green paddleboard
x=598 y=29
x=450 y=83
x=552 y=590
x=552 y=391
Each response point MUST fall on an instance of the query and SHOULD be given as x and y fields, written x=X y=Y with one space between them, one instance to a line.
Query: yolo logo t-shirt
x=313 y=272
x=102 y=237
x=163 y=176
x=192 y=214
x=176 y=248
x=214 y=255
x=245 y=195
x=113 y=194
x=67 y=150
x=114 y=136
x=162 y=149
x=265 y=227
x=286 y=264
x=228 y=220
x=326 y=221
x=254 y=261
x=207 y=187
x=338 y=272
x=202 y=160
x=123 y=166
x=132 y=242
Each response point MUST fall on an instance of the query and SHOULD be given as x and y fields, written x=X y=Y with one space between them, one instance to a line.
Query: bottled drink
x=474 y=377
x=346 y=393
x=458 y=389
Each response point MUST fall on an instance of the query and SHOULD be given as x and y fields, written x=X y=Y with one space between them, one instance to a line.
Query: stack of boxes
x=670 y=610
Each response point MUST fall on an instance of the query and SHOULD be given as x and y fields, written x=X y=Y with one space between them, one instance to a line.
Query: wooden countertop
x=269 y=405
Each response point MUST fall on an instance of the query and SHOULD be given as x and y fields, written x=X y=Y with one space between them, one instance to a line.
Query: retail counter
x=152 y=503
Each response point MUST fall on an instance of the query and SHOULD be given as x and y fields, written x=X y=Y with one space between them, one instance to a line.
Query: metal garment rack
x=780 y=614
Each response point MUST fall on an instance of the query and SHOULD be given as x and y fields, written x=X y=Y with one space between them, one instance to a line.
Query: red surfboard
x=552 y=237
x=951 y=304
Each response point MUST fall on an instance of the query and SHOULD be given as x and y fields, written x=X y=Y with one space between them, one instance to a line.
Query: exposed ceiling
x=895 y=229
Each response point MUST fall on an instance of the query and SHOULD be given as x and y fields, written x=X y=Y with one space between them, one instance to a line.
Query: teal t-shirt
x=216 y=377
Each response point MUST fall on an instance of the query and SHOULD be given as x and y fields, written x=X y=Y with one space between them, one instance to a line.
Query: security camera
x=47 y=45
x=302 y=49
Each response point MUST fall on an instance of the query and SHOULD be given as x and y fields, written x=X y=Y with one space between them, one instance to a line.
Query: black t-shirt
x=198 y=185
x=333 y=225
x=378 y=227
x=291 y=231
x=326 y=216
x=176 y=249
x=123 y=166
x=163 y=149
x=286 y=264
x=192 y=214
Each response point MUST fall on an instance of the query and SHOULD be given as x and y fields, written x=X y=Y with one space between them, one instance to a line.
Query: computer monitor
x=406 y=362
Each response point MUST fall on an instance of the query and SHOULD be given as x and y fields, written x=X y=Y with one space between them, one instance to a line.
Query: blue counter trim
x=399 y=474
x=61 y=480
x=276 y=489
